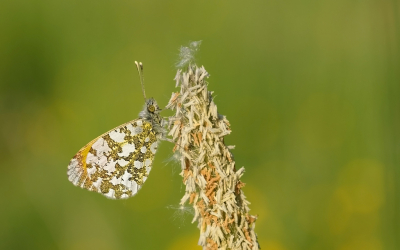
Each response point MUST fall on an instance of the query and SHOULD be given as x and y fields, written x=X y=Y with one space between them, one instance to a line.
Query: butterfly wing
x=117 y=163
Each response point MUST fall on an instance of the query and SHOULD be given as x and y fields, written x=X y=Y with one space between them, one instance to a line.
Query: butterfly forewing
x=117 y=163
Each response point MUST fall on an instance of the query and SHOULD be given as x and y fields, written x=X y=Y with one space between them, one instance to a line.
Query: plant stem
x=212 y=181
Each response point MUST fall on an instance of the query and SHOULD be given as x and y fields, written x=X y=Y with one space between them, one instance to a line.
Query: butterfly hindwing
x=117 y=163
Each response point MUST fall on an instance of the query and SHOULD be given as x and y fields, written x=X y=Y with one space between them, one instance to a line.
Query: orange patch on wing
x=82 y=154
x=81 y=158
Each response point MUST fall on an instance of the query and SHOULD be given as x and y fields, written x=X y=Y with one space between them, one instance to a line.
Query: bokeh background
x=311 y=89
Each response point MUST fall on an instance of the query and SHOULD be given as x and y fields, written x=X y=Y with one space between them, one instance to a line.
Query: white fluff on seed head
x=186 y=54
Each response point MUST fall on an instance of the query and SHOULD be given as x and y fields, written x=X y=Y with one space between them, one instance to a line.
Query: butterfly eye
x=151 y=108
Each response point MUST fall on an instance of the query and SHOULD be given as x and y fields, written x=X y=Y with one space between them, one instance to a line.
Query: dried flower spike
x=212 y=181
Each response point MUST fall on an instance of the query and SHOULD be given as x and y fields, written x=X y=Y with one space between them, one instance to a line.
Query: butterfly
x=118 y=162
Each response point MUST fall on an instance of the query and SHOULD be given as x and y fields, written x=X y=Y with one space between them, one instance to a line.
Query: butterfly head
x=152 y=106
x=150 y=111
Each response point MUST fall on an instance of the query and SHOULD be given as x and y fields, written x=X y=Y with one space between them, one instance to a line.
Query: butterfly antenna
x=139 y=67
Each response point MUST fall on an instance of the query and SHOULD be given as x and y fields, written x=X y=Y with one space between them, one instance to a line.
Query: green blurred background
x=311 y=89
